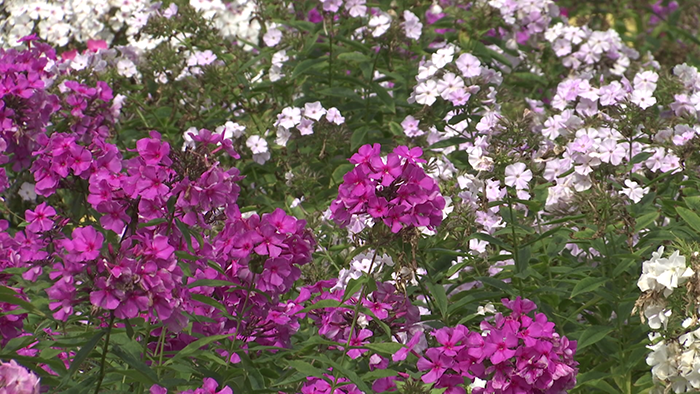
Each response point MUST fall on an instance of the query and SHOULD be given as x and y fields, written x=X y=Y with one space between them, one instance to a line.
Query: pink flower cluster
x=15 y=379
x=260 y=257
x=386 y=304
x=159 y=203
x=515 y=354
x=395 y=190
x=209 y=386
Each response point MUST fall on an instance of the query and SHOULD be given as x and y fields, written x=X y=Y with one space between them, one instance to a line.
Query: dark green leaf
x=587 y=285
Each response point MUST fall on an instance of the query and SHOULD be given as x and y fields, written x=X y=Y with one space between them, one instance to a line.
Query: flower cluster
x=304 y=119
x=15 y=379
x=395 y=190
x=209 y=386
x=673 y=357
x=385 y=305
x=515 y=353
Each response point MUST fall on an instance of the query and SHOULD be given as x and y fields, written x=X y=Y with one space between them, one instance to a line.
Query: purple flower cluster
x=515 y=354
x=15 y=379
x=155 y=202
x=209 y=386
x=395 y=190
x=260 y=256
x=385 y=304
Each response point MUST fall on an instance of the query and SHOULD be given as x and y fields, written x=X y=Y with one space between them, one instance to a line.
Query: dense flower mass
x=169 y=172
x=393 y=189
x=514 y=353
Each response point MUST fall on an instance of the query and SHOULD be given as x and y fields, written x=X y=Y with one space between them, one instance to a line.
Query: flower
x=518 y=175
x=257 y=144
x=15 y=379
x=634 y=191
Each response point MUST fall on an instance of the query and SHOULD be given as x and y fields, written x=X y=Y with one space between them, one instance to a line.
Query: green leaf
x=305 y=66
x=358 y=138
x=350 y=374
x=437 y=293
x=211 y=302
x=592 y=335
x=342 y=93
x=10 y=299
x=136 y=364
x=689 y=217
x=396 y=129
x=321 y=304
x=587 y=285
x=195 y=346
x=354 y=285
x=257 y=381
x=186 y=256
x=378 y=374
x=153 y=222
x=385 y=97
x=340 y=172
x=356 y=57
x=211 y=283
x=306 y=368
x=385 y=347
x=693 y=202
x=645 y=220
x=82 y=355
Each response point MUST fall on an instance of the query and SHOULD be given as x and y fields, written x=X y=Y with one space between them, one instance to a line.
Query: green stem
x=104 y=354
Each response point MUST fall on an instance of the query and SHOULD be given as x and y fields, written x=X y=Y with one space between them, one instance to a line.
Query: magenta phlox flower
x=358 y=339
x=411 y=155
x=386 y=170
x=402 y=353
x=394 y=190
x=449 y=338
x=114 y=216
x=274 y=274
x=436 y=363
x=270 y=243
x=158 y=247
x=87 y=242
x=153 y=151
x=379 y=309
x=365 y=154
x=38 y=219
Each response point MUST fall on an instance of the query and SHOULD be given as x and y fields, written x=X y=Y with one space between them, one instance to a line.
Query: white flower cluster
x=234 y=20
x=663 y=275
x=363 y=262
x=674 y=360
x=437 y=80
x=58 y=22
x=583 y=49
x=303 y=120
x=532 y=16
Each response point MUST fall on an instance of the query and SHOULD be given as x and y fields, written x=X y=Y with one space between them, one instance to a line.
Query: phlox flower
x=334 y=116
x=39 y=218
x=410 y=127
x=356 y=8
x=257 y=144
x=15 y=379
x=379 y=23
x=643 y=98
x=518 y=175
x=412 y=25
x=314 y=110
x=426 y=92
x=634 y=191
x=272 y=37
